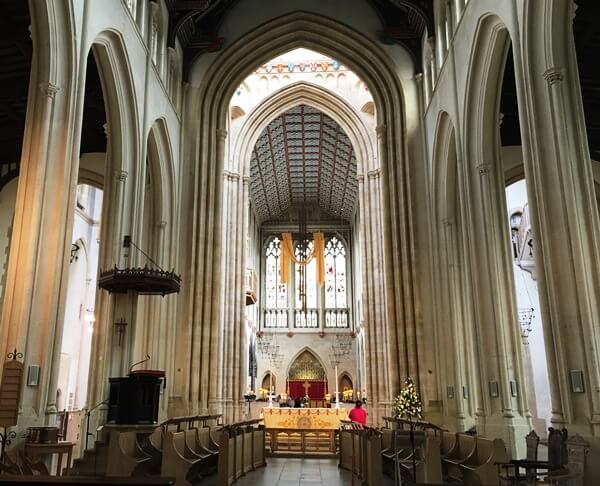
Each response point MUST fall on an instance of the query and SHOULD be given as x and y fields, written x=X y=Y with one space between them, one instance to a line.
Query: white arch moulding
x=209 y=106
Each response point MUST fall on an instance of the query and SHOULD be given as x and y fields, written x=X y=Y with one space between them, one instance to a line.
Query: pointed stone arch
x=305 y=354
x=395 y=345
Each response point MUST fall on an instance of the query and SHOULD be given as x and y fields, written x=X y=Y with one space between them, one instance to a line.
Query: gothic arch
x=208 y=111
x=445 y=167
x=160 y=162
x=314 y=354
x=317 y=97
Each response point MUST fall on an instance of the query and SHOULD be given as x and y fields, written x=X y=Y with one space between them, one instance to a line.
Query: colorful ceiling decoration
x=303 y=158
x=318 y=66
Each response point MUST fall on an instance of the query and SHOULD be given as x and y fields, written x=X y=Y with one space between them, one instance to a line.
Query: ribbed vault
x=303 y=158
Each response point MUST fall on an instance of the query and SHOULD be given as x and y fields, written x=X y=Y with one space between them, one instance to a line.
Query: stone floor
x=297 y=472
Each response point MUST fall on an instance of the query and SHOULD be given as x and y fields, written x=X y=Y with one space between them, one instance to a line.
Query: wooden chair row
x=472 y=459
x=241 y=450
x=360 y=453
x=416 y=458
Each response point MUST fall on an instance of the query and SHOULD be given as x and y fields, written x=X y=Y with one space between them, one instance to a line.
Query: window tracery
x=326 y=306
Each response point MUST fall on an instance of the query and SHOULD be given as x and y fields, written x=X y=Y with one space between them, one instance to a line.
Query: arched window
x=335 y=275
x=276 y=296
x=276 y=291
x=306 y=314
x=307 y=273
x=303 y=304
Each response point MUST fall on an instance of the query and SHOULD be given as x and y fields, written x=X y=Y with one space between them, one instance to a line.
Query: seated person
x=358 y=413
x=297 y=402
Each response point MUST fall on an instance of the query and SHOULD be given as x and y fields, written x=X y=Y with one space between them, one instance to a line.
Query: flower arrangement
x=305 y=401
x=408 y=403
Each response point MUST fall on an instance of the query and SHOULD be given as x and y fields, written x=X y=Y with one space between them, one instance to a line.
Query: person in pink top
x=358 y=413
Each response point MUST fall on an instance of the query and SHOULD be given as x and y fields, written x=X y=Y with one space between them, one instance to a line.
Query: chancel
x=228 y=226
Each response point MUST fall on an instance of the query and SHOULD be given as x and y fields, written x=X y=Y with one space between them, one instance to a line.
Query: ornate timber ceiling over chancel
x=303 y=158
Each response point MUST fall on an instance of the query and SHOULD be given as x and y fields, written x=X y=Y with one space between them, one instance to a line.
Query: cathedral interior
x=228 y=225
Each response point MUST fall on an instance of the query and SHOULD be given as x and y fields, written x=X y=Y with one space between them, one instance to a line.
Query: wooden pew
x=125 y=456
x=464 y=450
x=448 y=444
x=178 y=461
x=241 y=449
x=360 y=453
x=481 y=467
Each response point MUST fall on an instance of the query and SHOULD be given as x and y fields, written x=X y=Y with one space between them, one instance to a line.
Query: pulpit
x=134 y=399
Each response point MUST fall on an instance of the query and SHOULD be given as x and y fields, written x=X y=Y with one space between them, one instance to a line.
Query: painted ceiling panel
x=303 y=158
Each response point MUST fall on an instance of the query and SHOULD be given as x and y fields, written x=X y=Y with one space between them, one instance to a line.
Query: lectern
x=134 y=399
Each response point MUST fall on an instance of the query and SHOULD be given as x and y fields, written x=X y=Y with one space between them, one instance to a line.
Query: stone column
x=561 y=196
x=505 y=414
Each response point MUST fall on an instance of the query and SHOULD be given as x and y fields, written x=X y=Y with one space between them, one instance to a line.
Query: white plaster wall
x=80 y=304
x=527 y=296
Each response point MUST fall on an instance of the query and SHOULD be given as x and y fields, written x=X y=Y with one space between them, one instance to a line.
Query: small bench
x=462 y=452
x=481 y=467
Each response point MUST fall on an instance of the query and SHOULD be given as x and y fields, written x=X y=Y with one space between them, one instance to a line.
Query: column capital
x=221 y=133
x=373 y=174
x=49 y=89
x=162 y=224
x=554 y=75
x=230 y=175
x=121 y=175
x=448 y=222
x=484 y=169
x=360 y=178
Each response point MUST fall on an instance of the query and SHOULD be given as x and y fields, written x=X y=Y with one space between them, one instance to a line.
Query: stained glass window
x=335 y=274
x=310 y=274
x=275 y=290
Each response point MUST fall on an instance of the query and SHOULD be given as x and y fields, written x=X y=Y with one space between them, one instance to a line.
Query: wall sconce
x=74 y=249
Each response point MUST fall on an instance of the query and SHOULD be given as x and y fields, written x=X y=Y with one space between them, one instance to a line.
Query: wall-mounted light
x=74 y=249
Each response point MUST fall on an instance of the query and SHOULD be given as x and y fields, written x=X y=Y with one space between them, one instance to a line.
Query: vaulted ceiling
x=303 y=158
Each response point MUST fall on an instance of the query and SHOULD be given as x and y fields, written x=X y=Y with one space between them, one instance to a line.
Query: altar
x=304 y=418
x=302 y=431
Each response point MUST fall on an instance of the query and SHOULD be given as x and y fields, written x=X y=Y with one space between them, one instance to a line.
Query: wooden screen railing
x=302 y=441
x=360 y=453
x=241 y=450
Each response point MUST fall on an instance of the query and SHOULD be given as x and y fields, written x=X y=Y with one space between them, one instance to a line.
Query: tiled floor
x=297 y=472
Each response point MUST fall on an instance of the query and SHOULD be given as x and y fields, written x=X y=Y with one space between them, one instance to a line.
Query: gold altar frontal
x=302 y=431
x=303 y=418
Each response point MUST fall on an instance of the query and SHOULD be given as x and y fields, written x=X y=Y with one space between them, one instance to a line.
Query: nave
x=297 y=472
